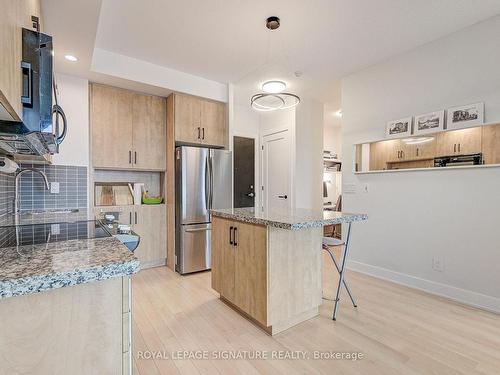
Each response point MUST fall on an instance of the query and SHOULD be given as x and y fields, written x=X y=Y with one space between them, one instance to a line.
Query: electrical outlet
x=55 y=229
x=54 y=187
x=437 y=264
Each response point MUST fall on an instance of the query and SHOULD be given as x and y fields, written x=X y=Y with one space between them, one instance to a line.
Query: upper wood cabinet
x=213 y=123
x=491 y=144
x=199 y=121
x=111 y=123
x=239 y=265
x=149 y=133
x=14 y=15
x=128 y=129
x=459 y=142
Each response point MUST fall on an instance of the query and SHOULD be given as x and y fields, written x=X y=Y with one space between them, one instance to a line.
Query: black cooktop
x=33 y=234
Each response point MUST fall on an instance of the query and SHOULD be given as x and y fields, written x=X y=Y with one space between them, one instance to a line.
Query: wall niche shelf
x=470 y=147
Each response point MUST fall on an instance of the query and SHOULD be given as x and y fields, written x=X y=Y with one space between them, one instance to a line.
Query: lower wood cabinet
x=149 y=222
x=239 y=265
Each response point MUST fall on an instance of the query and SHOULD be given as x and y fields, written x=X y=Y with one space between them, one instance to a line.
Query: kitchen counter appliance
x=203 y=179
x=37 y=134
x=453 y=161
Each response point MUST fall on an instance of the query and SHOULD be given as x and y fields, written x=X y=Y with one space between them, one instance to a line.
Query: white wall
x=309 y=154
x=332 y=139
x=415 y=216
x=74 y=99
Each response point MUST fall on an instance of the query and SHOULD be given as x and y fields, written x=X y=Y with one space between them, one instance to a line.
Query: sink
x=54 y=211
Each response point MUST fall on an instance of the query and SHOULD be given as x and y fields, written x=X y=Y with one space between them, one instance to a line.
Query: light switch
x=54 y=187
x=365 y=188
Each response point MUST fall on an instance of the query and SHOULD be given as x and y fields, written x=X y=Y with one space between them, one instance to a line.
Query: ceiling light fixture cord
x=274 y=100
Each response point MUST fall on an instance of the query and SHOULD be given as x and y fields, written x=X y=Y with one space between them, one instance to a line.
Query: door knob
x=283 y=196
x=251 y=195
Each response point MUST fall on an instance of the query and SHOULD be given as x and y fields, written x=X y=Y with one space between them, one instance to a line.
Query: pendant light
x=273 y=96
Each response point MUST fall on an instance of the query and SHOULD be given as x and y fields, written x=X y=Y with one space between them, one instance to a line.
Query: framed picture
x=429 y=123
x=398 y=128
x=465 y=116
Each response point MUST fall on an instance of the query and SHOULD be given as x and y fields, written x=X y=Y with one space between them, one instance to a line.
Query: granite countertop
x=35 y=268
x=290 y=219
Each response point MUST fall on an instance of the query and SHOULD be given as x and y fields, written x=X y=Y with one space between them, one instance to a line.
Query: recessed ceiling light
x=71 y=58
x=273 y=87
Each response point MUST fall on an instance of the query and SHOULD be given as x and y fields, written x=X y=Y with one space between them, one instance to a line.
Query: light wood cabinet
x=426 y=150
x=239 y=265
x=128 y=129
x=382 y=152
x=223 y=258
x=150 y=224
x=14 y=15
x=199 y=121
x=251 y=270
x=76 y=330
x=491 y=144
x=111 y=122
x=149 y=118
x=213 y=123
x=459 y=142
x=187 y=118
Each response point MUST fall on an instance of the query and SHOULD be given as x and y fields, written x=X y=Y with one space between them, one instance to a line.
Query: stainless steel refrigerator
x=203 y=179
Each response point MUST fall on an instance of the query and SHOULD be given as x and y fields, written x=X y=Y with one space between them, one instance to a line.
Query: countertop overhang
x=36 y=268
x=291 y=219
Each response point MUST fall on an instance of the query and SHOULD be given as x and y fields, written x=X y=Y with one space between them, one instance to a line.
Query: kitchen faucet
x=16 y=184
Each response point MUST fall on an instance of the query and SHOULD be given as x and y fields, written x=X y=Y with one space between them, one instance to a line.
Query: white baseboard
x=467 y=297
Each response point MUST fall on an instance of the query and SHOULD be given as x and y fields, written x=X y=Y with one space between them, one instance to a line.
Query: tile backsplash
x=6 y=194
x=72 y=181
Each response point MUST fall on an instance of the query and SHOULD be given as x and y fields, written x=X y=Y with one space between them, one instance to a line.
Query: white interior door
x=276 y=155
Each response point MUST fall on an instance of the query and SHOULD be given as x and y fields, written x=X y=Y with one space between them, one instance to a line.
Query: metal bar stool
x=331 y=241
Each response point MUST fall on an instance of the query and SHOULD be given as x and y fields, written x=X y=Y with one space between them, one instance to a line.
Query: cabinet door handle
x=455 y=147
x=203 y=133
x=130 y=217
x=459 y=147
x=417 y=151
x=199 y=129
x=135 y=157
x=135 y=217
x=231 y=235
x=130 y=157
x=234 y=236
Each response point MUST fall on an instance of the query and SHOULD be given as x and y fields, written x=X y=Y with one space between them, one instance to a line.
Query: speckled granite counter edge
x=35 y=284
x=290 y=226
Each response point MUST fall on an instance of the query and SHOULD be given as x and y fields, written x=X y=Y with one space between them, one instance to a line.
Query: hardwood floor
x=398 y=330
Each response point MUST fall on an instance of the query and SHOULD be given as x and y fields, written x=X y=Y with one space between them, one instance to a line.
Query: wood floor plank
x=399 y=331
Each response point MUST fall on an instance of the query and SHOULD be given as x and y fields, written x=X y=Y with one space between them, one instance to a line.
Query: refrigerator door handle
x=211 y=167
x=197 y=230
x=207 y=183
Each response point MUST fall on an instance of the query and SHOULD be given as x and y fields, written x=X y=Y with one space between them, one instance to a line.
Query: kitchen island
x=268 y=266
x=64 y=305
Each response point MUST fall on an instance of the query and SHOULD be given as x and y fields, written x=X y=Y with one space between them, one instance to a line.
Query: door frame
x=291 y=163
x=256 y=176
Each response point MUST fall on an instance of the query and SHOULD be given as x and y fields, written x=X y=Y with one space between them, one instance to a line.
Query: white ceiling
x=226 y=40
